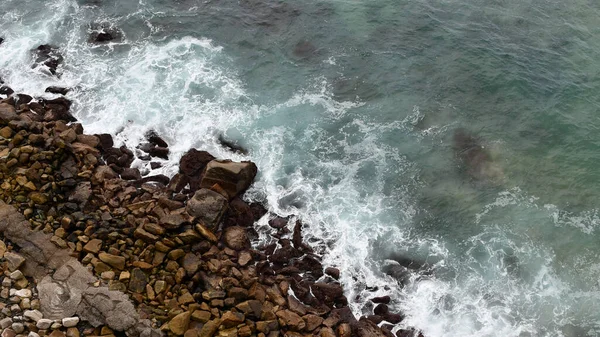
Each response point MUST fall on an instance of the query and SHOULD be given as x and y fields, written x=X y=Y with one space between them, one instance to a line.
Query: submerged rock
x=476 y=158
x=101 y=32
x=48 y=56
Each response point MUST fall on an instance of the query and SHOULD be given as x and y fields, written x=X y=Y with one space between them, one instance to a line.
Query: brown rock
x=291 y=320
x=312 y=321
x=179 y=324
x=138 y=281
x=193 y=162
x=191 y=263
x=207 y=206
x=233 y=177
x=209 y=329
x=206 y=233
x=231 y=319
x=93 y=246
x=114 y=261
x=236 y=238
x=7 y=112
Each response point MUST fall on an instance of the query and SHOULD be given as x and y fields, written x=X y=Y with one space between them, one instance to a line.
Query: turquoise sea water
x=349 y=109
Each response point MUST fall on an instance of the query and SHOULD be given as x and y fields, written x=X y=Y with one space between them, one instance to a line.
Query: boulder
x=236 y=238
x=207 y=206
x=57 y=90
x=193 y=162
x=153 y=138
x=233 y=177
x=5 y=90
x=131 y=174
x=7 y=113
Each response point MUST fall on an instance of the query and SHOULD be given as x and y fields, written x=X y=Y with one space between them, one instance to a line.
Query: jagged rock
x=138 y=281
x=82 y=193
x=191 y=263
x=7 y=112
x=291 y=320
x=236 y=238
x=93 y=246
x=15 y=261
x=207 y=206
x=233 y=177
x=179 y=324
x=231 y=319
x=114 y=261
x=193 y=162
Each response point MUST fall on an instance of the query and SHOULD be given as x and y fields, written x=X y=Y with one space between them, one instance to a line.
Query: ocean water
x=349 y=109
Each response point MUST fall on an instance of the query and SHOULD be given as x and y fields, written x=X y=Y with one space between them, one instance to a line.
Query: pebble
x=33 y=334
x=44 y=323
x=16 y=275
x=18 y=327
x=6 y=322
x=34 y=315
x=70 y=322
x=23 y=293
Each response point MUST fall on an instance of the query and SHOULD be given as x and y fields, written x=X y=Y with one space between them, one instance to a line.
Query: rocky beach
x=93 y=247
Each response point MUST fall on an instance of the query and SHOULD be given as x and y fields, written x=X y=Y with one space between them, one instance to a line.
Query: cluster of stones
x=179 y=247
x=20 y=306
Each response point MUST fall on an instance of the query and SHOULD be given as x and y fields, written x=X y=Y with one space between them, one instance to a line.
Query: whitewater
x=349 y=108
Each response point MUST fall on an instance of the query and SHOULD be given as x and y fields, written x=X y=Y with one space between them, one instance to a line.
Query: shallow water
x=349 y=109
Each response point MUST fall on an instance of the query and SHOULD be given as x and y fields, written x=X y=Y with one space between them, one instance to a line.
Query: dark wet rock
x=131 y=174
x=174 y=221
x=153 y=138
x=159 y=178
x=48 y=56
x=193 y=162
x=102 y=32
x=231 y=145
x=57 y=90
x=5 y=90
x=381 y=309
x=23 y=99
x=239 y=213
x=178 y=183
x=1 y=40
x=58 y=109
x=393 y=318
x=233 y=177
x=333 y=272
x=207 y=206
x=138 y=281
x=304 y=49
x=278 y=222
x=106 y=141
x=154 y=165
x=328 y=293
x=381 y=299
x=285 y=254
x=366 y=328
x=159 y=152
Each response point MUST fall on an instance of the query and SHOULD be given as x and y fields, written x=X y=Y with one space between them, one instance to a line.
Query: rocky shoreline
x=103 y=251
